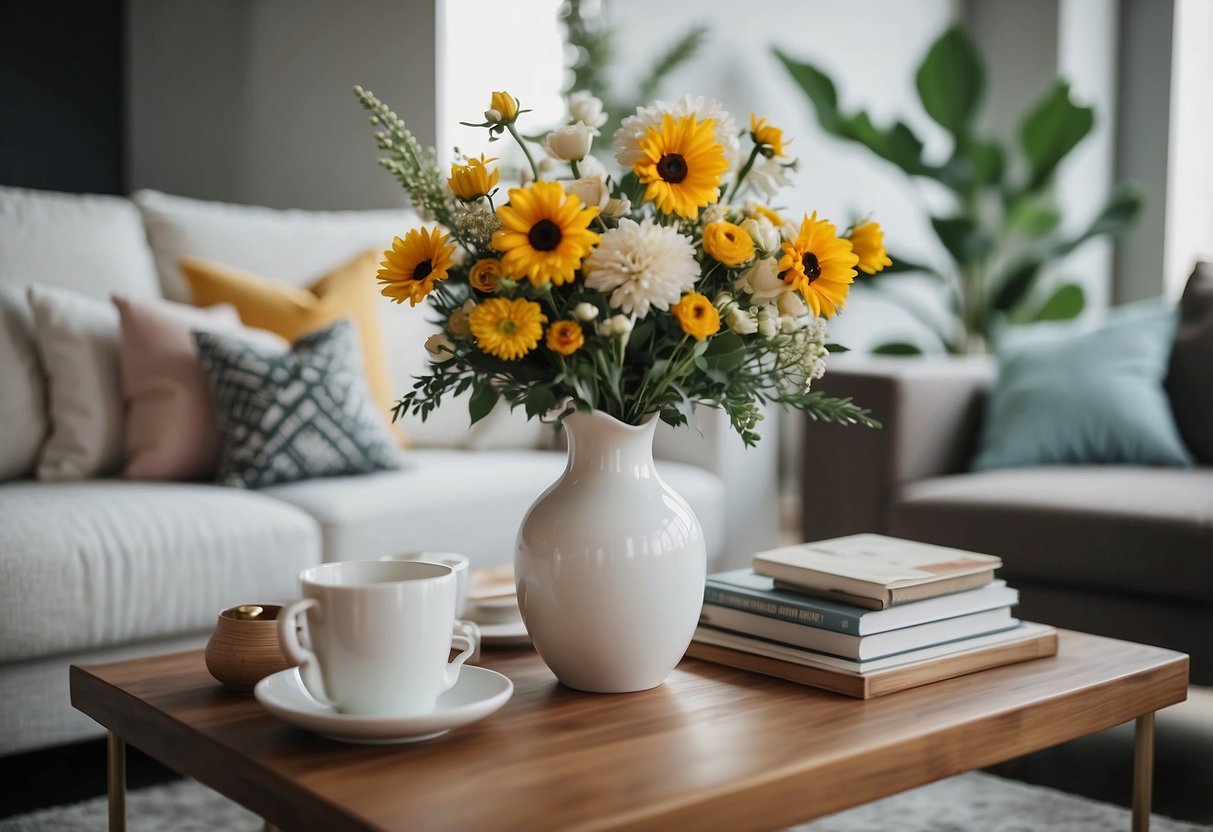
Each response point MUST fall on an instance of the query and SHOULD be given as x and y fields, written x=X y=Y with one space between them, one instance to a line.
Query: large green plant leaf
x=820 y=90
x=1034 y=217
x=1119 y=213
x=482 y=401
x=1016 y=284
x=951 y=80
x=962 y=238
x=1051 y=130
x=1066 y=302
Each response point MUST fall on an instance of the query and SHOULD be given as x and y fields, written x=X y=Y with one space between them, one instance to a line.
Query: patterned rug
x=961 y=804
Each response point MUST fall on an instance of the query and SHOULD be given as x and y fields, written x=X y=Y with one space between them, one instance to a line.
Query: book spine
x=804 y=612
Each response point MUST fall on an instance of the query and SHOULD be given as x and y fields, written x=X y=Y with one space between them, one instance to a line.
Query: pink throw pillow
x=170 y=431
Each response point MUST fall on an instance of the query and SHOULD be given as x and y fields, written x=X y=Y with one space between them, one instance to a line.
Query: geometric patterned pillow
x=295 y=414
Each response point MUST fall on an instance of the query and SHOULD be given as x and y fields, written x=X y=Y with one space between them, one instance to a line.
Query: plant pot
x=610 y=562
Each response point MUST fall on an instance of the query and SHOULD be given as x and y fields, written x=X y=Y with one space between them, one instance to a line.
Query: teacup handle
x=466 y=636
x=288 y=637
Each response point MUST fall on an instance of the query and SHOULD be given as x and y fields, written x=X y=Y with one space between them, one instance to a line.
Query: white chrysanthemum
x=768 y=177
x=633 y=128
x=642 y=265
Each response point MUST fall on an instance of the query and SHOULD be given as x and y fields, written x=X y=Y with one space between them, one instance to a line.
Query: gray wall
x=249 y=100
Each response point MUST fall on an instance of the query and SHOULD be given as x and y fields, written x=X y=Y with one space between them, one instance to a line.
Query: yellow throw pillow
x=289 y=311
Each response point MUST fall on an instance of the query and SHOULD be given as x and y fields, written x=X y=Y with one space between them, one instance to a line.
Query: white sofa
x=93 y=571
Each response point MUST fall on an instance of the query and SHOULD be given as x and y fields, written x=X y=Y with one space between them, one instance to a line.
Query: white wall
x=250 y=100
x=1189 y=230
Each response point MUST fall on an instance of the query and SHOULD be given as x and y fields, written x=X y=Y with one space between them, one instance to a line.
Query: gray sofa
x=1120 y=551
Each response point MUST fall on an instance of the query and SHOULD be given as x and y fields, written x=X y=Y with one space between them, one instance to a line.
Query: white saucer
x=477 y=694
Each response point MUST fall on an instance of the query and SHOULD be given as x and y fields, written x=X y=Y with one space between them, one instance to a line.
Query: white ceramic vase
x=610 y=562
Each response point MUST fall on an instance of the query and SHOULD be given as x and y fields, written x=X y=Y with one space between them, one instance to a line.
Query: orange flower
x=486 y=275
x=565 y=337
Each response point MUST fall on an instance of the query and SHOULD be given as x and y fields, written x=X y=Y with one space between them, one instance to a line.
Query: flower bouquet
x=633 y=294
x=607 y=301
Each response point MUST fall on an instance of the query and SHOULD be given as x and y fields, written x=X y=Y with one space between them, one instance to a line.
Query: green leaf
x=539 y=400
x=1034 y=217
x=725 y=352
x=1120 y=213
x=1051 y=130
x=482 y=402
x=836 y=348
x=820 y=90
x=962 y=238
x=1016 y=285
x=898 y=144
x=679 y=53
x=951 y=80
x=1065 y=303
x=897 y=348
x=988 y=161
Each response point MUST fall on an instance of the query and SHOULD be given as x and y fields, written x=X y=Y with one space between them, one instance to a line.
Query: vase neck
x=598 y=442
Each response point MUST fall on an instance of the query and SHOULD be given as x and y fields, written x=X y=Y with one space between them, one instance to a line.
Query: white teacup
x=380 y=633
x=456 y=561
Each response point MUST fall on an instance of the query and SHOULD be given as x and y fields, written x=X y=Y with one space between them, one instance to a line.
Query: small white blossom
x=591 y=166
x=762 y=280
x=585 y=312
x=587 y=109
x=741 y=321
x=620 y=325
x=715 y=213
x=791 y=304
x=492 y=116
x=768 y=176
x=643 y=266
x=617 y=207
x=768 y=324
x=440 y=348
x=764 y=235
x=591 y=190
x=570 y=143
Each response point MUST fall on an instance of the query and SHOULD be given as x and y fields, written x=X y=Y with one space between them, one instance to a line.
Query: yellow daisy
x=867 y=239
x=414 y=264
x=682 y=165
x=508 y=329
x=819 y=265
x=544 y=234
x=473 y=180
x=486 y=275
x=565 y=337
x=697 y=316
x=768 y=137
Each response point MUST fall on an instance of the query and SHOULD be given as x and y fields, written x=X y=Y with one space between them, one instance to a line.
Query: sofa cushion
x=296 y=246
x=1138 y=530
x=292 y=415
x=466 y=502
x=101 y=563
x=1190 y=376
x=90 y=244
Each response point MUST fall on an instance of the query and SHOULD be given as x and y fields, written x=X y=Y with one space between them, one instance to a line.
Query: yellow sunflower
x=508 y=329
x=768 y=137
x=867 y=239
x=819 y=265
x=415 y=264
x=544 y=234
x=697 y=316
x=473 y=180
x=682 y=165
x=565 y=337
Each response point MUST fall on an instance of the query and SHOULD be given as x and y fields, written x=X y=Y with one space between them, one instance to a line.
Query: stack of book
x=866 y=615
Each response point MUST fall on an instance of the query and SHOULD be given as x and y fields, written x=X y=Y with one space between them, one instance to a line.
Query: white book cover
x=859 y=648
x=873 y=559
x=808 y=658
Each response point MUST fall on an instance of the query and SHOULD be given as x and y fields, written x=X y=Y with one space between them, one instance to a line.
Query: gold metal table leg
x=116 y=782
x=1143 y=772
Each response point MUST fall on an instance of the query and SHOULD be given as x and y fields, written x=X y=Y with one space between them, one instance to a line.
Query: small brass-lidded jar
x=244 y=649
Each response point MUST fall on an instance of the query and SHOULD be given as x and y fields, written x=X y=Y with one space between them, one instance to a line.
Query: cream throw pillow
x=77 y=339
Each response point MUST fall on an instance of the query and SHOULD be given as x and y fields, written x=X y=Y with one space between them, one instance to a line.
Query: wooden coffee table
x=713 y=748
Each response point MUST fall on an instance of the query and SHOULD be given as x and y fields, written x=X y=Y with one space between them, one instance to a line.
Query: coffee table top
x=714 y=747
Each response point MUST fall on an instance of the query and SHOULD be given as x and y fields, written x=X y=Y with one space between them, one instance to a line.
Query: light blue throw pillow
x=1085 y=398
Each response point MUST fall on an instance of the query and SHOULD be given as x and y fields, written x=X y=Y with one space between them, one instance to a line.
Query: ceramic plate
x=478 y=693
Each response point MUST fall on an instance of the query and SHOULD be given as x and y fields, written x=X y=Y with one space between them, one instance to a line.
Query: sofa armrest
x=931 y=414
x=750 y=477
